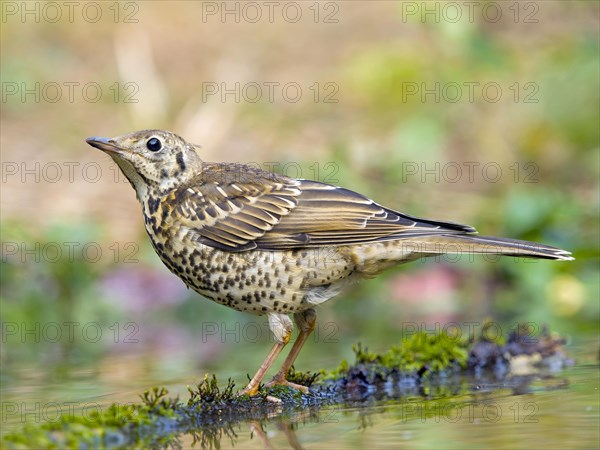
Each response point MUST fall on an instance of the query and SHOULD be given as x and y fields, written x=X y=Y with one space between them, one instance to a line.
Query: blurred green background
x=493 y=123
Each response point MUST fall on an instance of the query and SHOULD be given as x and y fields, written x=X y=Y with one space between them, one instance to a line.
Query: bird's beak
x=104 y=144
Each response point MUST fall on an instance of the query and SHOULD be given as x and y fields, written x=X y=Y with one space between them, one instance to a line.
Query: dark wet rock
x=522 y=351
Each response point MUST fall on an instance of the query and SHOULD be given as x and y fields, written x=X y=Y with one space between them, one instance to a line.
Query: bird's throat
x=135 y=179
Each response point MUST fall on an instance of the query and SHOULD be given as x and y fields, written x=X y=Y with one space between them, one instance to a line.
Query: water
x=550 y=411
x=559 y=412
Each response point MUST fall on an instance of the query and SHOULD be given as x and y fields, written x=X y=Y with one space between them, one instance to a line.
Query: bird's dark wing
x=231 y=206
x=330 y=215
x=265 y=211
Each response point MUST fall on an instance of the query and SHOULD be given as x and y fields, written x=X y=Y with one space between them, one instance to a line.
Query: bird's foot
x=252 y=388
x=279 y=380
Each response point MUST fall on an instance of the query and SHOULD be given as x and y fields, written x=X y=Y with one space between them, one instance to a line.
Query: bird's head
x=154 y=160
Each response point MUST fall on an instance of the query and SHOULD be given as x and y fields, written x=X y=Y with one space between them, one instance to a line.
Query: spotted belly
x=259 y=282
x=262 y=282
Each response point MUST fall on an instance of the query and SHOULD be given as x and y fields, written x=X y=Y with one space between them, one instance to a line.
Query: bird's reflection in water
x=286 y=427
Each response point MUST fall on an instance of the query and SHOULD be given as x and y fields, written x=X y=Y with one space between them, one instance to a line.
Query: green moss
x=433 y=352
x=336 y=373
x=364 y=356
x=421 y=351
x=303 y=378
x=207 y=391
x=98 y=428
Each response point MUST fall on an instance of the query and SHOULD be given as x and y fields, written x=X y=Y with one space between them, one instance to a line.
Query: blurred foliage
x=43 y=282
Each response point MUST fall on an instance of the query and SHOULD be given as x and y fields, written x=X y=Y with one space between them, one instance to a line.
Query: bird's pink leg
x=282 y=327
x=306 y=321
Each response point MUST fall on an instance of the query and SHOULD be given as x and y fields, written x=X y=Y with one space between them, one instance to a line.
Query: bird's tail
x=473 y=243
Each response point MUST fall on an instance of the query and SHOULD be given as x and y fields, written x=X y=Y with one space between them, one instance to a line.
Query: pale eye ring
x=154 y=144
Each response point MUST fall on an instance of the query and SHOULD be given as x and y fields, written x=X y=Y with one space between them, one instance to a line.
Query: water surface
x=559 y=410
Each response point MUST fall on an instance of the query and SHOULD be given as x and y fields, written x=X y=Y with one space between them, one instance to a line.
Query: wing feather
x=272 y=212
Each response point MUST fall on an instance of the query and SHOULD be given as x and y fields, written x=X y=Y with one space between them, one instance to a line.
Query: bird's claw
x=253 y=390
x=283 y=382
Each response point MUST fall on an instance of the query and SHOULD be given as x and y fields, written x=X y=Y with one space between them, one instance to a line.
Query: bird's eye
x=153 y=145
